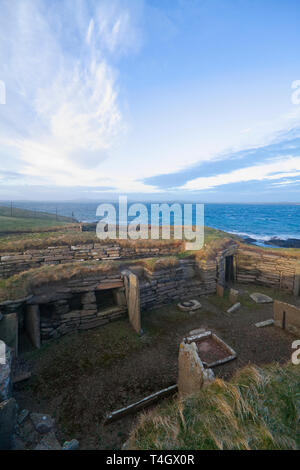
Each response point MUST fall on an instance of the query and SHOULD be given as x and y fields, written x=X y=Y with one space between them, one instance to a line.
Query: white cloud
x=63 y=100
x=280 y=168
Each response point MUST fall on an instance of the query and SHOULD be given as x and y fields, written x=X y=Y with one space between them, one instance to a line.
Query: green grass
x=258 y=409
x=24 y=220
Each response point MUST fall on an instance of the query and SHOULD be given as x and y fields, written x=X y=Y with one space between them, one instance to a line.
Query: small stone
x=71 y=445
x=261 y=298
x=42 y=423
x=265 y=323
x=198 y=331
x=234 y=308
x=22 y=416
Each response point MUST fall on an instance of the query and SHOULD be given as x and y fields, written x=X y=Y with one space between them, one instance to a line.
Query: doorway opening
x=229 y=269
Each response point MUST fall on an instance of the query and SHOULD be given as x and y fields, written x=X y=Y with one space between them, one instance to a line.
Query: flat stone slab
x=234 y=308
x=265 y=323
x=261 y=298
x=189 y=305
x=198 y=331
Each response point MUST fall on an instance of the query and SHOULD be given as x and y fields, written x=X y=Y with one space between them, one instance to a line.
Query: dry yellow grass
x=21 y=285
x=257 y=409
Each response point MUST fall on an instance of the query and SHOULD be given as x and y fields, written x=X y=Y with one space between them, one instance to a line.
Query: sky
x=155 y=99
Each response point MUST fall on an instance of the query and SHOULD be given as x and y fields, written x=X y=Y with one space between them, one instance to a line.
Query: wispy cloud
x=275 y=170
x=62 y=89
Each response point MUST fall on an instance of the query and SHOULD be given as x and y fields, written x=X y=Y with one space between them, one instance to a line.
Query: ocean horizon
x=262 y=222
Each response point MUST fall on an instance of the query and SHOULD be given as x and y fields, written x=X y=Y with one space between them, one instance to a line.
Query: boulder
x=261 y=298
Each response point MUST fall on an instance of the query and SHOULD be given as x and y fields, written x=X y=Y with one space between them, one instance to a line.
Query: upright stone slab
x=9 y=331
x=32 y=325
x=133 y=301
x=191 y=373
x=8 y=421
x=220 y=290
x=287 y=316
x=5 y=372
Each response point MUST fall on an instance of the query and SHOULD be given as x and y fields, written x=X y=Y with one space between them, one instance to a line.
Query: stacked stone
x=62 y=320
x=266 y=269
x=166 y=285
x=16 y=262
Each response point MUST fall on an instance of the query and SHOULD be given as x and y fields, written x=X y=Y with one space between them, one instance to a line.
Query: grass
x=17 y=220
x=258 y=409
x=40 y=240
x=154 y=264
x=21 y=285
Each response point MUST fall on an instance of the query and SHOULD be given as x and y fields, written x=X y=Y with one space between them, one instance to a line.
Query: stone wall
x=13 y=263
x=267 y=269
x=287 y=316
x=187 y=280
x=55 y=310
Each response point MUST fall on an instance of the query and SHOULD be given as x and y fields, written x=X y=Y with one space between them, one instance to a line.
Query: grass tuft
x=257 y=409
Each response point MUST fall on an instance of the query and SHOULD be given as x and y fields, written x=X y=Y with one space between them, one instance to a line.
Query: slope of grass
x=257 y=409
x=14 y=220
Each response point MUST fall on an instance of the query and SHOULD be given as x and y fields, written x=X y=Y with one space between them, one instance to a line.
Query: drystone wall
x=55 y=310
x=13 y=263
x=287 y=316
x=266 y=269
x=187 y=280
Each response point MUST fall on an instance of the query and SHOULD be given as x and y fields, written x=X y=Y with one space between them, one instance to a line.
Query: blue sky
x=157 y=99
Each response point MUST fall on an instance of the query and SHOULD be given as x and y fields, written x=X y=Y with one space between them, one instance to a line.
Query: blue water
x=259 y=221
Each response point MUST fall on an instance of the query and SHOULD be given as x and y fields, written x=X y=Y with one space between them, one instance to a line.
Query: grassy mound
x=21 y=285
x=257 y=409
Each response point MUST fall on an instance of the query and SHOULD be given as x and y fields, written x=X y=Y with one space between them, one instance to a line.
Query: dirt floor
x=82 y=377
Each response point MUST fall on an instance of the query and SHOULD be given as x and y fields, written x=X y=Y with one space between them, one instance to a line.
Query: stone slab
x=261 y=298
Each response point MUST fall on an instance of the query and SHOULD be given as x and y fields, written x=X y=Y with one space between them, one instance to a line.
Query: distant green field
x=18 y=220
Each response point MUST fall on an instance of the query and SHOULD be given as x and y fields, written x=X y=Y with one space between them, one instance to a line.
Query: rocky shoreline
x=275 y=242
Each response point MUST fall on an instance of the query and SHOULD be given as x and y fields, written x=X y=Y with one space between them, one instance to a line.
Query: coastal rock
x=261 y=298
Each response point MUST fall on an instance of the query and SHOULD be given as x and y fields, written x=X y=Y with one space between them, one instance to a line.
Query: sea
x=261 y=222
